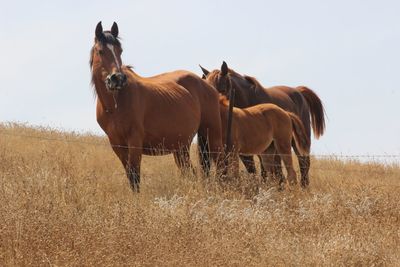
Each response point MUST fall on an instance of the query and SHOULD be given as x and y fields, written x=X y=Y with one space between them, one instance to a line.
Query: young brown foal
x=255 y=128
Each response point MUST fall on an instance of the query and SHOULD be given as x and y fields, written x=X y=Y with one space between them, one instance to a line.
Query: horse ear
x=99 y=31
x=205 y=72
x=224 y=69
x=203 y=77
x=114 y=30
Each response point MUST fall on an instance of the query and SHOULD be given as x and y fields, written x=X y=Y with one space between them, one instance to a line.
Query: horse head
x=224 y=79
x=106 y=56
x=220 y=79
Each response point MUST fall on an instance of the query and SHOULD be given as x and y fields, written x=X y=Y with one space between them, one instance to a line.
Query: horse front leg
x=235 y=165
x=267 y=160
x=133 y=166
x=271 y=164
x=122 y=154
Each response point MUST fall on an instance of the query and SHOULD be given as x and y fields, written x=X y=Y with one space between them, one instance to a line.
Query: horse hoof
x=304 y=184
x=281 y=187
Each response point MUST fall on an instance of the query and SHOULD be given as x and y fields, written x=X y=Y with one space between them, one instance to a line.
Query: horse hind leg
x=248 y=162
x=182 y=160
x=284 y=150
x=204 y=153
x=216 y=148
x=304 y=164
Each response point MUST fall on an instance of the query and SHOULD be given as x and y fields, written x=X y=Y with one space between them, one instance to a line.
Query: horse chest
x=115 y=128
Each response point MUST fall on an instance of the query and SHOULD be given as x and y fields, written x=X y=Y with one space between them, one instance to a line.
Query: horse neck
x=248 y=94
x=224 y=110
x=243 y=93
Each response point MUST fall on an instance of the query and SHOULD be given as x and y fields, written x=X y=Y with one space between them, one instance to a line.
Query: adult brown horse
x=256 y=127
x=301 y=100
x=151 y=116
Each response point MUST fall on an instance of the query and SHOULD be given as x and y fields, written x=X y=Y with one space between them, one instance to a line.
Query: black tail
x=316 y=110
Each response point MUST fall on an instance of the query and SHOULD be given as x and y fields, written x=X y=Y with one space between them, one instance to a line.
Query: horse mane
x=223 y=100
x=212 y=76
x=253 y=81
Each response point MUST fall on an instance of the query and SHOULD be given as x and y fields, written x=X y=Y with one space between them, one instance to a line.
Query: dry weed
x=68 y=203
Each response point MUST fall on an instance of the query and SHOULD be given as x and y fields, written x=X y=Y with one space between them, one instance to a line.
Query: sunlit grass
x=68 y=203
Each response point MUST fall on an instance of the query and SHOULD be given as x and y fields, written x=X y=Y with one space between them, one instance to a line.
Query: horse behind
x=255 y=128
x=152 y=116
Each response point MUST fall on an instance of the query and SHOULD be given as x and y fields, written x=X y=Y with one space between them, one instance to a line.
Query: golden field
x=65 y=201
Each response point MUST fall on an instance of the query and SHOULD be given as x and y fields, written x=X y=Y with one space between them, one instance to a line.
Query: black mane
x=108 y=38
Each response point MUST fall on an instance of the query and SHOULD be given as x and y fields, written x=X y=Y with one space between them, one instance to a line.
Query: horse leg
x=266 y=160
x=284 y=150
x=277 y=166
x=304 y=164
x=133 y=165
x=216 y=149
x=232 y=164
x=248 y=162
x=182 y=160
x=263 y=172
x=204 y=153
x=272 y=167
x=122 y=154
x=129 y=160
x=235 y=165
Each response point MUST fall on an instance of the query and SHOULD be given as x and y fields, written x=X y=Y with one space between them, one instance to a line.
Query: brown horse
x=151 y=116
x=302 y=101
x=256 y=127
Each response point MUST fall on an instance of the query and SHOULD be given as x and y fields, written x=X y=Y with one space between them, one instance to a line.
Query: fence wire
x=381 y=170
x=161 y=150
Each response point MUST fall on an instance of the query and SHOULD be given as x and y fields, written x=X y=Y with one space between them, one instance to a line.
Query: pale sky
x=348 y=52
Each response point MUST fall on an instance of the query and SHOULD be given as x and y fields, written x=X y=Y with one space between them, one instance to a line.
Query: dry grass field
x=68 y=203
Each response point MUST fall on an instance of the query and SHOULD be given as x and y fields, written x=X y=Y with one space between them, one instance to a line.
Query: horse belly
x=255 y=137
x=255 y=149
x=167 y=143
x=171 y=130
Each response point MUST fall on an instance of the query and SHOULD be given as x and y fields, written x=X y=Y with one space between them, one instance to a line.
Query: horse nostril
x=113 y=77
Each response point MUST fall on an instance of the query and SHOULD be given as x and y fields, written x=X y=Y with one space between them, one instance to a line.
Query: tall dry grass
x=68 y=203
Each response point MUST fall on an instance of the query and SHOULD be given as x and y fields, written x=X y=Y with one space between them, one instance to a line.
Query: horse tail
x=317 y=111
x=300 y=137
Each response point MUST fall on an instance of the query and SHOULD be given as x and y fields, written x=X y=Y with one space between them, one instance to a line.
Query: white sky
x=346 y=51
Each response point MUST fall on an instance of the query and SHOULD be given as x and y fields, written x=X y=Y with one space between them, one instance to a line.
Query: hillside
x=66 y=201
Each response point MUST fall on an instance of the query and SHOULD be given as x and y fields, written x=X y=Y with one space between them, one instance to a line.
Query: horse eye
x=100 y=52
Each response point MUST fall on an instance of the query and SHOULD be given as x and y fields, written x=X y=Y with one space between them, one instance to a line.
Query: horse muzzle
x=116 y=81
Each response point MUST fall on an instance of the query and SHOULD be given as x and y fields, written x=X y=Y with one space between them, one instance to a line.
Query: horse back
x=291 y=99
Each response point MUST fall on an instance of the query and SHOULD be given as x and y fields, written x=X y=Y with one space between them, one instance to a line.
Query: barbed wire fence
x=160 y=149
x=393 y=160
